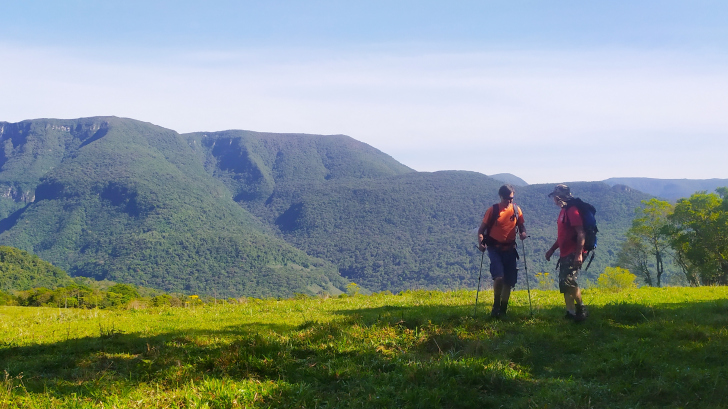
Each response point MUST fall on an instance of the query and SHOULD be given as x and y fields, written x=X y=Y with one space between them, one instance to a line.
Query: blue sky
x=549 y=91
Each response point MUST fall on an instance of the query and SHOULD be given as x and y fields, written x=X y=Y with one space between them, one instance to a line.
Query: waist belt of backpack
x=490 y=241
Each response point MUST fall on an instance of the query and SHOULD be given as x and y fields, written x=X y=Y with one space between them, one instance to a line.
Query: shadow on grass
x=424 y=356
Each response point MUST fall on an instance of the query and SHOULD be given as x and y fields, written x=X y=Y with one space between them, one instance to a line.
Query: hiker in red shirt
x=497 y=234
x=570 y=239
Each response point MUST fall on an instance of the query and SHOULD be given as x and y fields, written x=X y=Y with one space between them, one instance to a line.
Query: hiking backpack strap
x=590 y=259
x=514 y=216
x=516 y=210
x=494 y=213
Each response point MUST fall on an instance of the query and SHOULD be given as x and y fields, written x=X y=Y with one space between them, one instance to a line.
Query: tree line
x=117 y=296
x=692 y=235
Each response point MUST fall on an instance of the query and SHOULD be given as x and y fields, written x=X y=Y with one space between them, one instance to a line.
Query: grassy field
x=640 y=348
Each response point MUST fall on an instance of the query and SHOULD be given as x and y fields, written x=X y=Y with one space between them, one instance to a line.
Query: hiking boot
x=503 y=307
x=569 y=316
x=495 y=312
x=581 y=313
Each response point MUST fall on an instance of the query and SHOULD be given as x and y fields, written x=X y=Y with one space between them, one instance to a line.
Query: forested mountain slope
x=384 y=226
x=20 y=270
x=253 y=164
x=128 y=201
x=246 y=213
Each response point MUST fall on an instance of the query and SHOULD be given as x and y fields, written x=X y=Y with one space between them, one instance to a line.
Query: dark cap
x=562 y=191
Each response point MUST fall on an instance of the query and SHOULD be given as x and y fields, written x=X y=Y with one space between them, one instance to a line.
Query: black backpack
x=588 y=220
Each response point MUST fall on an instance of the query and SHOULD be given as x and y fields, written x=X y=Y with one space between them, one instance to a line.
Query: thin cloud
x=630 y=110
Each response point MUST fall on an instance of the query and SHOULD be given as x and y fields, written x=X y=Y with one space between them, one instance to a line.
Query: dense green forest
x=128 y=201
x=384 y=226
x=240 y=213
x=20 y=270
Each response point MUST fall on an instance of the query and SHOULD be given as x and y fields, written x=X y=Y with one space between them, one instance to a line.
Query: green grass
x=665 y=347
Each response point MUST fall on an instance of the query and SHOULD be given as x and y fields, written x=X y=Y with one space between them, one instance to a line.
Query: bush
x=126 y=292
x=544 y=281
x=353 y=289
x=193 y=300
x=7 y=299
x=39 y=297
x=163 y=300
x=113 y=299
x=616 y=279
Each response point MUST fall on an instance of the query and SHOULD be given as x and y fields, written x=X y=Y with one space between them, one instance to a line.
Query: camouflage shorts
x=568 y=273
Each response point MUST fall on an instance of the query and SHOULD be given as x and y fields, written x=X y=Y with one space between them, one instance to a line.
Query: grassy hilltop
x=647 y=348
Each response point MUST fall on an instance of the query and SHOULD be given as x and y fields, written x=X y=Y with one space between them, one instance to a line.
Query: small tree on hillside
x=647 y=239
x=699 y=235
x=634 y=255
x=123 y=293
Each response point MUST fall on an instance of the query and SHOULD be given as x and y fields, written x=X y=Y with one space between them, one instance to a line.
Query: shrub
x=193 y=300
x=112 y=299
x=126 y=292
x=39 y=297
x=163 y=300
x=616 y=279
x=352 y=289
x=7 y=299
x=544 y=281
x=68 y=301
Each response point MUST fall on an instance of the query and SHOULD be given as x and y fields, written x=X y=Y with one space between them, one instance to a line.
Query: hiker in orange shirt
x=497 y=234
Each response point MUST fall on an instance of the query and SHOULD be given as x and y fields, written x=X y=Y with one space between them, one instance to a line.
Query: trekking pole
x=590 y=260
x=525 y=266
x=478 y=292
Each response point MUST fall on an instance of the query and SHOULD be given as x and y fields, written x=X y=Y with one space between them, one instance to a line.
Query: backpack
x=588 y=220
x=494 y=213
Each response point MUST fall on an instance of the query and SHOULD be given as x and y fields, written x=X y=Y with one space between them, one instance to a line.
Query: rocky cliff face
x=17 y=195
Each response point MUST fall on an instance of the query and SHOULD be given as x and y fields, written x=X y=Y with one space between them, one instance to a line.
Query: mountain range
x=668 y=189
x=237 y=213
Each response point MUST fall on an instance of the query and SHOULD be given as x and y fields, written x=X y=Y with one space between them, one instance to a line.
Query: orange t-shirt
x=504 y=228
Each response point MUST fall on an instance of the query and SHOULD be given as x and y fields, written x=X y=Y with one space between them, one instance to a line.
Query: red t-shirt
x=566 y=236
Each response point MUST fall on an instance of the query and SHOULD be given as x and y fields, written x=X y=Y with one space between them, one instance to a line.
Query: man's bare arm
x=521 y=228
x=580 y=239
x=550 y=251
x=481 y=232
